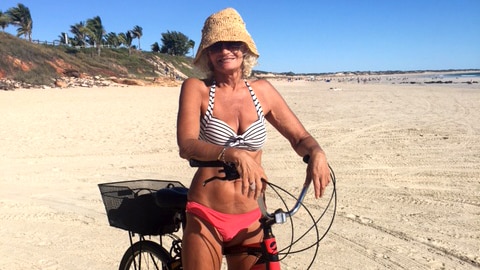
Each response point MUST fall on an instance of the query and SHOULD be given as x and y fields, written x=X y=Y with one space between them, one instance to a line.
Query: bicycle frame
x=268 y=247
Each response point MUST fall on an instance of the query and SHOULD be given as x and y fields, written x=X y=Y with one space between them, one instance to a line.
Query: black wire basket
x=131 y=206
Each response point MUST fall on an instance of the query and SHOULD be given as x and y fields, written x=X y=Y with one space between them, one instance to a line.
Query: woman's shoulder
x=260 y=83
x=263 y=87
x=266 y=93
x=195 y=84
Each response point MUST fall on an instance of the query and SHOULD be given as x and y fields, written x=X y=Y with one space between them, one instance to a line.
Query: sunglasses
x=233 y=46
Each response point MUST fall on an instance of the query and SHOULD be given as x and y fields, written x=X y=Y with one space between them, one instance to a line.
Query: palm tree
x=97 y=31
x=137 y=32
x=20 y=16
x=112 y=39
x=4 y=20
x=126 y=39
x=80 y=32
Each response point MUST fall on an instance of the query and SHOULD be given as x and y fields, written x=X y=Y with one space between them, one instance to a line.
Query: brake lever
x=229 y=169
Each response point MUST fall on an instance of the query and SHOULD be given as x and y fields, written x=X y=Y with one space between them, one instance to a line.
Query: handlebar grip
x=199 y=163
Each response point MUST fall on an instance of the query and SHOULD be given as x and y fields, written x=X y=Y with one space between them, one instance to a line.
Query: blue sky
x=299 y=36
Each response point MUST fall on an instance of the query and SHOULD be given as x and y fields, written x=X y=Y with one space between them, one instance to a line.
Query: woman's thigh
x=201 y=246
x=250 y=237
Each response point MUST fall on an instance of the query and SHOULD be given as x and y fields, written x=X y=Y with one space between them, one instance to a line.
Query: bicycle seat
x=175 y=197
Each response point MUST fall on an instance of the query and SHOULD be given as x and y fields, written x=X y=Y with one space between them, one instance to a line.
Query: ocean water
x=463 y=75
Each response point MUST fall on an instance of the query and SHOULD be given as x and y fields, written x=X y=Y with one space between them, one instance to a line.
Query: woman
x=223 y=118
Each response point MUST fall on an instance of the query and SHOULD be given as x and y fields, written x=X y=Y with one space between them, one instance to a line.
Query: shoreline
x=407 y=77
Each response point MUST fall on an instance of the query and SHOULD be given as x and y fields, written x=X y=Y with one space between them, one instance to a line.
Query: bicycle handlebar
x=279 y=216
x=199 y=163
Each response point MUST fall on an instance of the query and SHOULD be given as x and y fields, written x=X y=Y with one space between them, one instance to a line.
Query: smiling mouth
x=223 y=60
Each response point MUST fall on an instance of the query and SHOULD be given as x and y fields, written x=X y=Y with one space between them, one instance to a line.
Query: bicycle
x=151 y=208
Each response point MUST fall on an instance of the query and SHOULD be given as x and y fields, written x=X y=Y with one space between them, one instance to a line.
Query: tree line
x=92 y=33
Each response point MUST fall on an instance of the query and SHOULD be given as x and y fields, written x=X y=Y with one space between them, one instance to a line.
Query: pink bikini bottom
x=227 y=225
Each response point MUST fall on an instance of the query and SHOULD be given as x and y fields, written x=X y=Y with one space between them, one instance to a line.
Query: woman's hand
x=318 y=172
x=251 y=173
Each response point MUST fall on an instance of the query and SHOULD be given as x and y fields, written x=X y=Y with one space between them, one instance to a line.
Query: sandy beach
x=406 y=158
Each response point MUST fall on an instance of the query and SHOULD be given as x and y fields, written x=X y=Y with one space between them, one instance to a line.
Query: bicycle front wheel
x=145 y=255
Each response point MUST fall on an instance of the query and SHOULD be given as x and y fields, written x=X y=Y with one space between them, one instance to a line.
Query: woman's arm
x=286 y=122
x=192 y=95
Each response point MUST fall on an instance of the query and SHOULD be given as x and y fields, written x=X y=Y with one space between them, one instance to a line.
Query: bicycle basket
x=131 y=206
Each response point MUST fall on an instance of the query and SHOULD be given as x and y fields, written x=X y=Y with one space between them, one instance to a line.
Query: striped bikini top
x=216 y=131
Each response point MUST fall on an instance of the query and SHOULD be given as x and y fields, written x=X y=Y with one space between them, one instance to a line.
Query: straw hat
x=225 y=25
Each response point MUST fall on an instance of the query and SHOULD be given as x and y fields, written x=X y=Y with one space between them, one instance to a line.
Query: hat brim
x=225 y=25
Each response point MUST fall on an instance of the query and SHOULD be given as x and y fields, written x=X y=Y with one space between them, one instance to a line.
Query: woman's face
x=226 y=56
